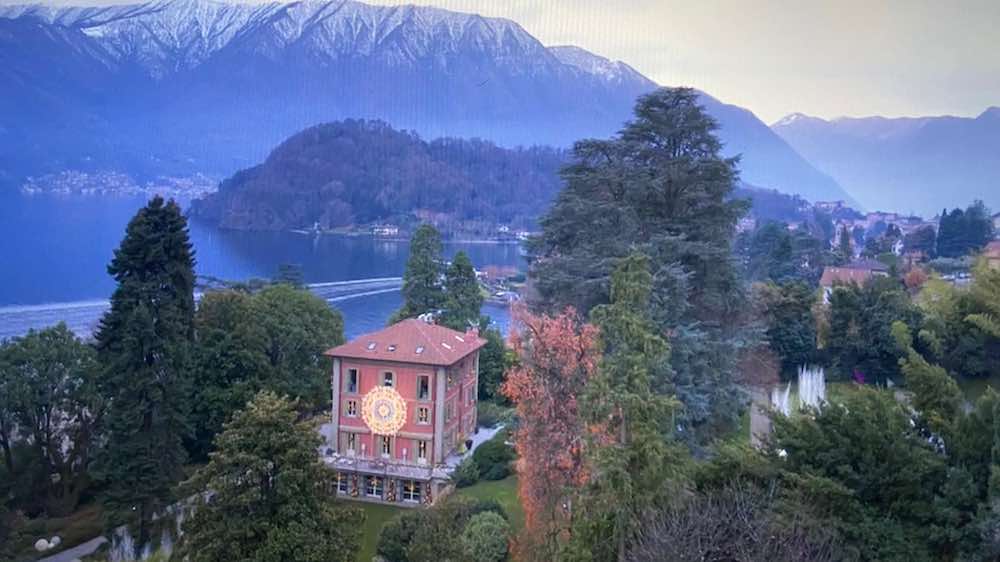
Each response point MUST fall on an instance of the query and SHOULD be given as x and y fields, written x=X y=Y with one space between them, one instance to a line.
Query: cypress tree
x=143 y=343
x=464 y=298
x=845 y=251
x=422 y=291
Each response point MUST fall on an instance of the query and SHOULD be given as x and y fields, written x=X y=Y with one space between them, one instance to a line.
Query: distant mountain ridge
x=920 y=164
x=178 y=86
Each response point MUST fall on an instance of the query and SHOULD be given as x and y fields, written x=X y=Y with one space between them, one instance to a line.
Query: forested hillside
x=357 y=172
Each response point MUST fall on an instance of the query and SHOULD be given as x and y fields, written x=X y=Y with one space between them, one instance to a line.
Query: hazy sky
x=829 y=58
x=832 y=58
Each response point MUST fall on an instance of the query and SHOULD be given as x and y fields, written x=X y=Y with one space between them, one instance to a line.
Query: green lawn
x=505 y=492
x=376 y=515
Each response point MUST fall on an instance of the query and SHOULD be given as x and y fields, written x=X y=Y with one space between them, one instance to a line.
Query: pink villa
x=404 y=408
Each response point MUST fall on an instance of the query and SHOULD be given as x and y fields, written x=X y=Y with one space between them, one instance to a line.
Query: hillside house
x=404 y=406
x=856 y=273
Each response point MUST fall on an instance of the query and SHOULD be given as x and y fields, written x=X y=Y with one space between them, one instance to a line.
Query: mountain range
x=175 y=87
x=918 y=164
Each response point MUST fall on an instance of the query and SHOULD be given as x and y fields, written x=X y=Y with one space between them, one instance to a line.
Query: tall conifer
x=464 y=298
x=422 y=290
x=662 y=187
x=629 y=463
x=143 y=343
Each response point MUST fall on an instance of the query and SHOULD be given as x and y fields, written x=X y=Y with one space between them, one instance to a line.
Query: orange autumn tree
x=557 y=356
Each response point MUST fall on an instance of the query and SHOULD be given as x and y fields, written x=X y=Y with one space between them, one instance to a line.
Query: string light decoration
x=383 y=410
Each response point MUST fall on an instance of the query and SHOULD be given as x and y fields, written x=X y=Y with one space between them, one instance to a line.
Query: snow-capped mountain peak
x=596 y=65
x=166 y=36
x=794 y=118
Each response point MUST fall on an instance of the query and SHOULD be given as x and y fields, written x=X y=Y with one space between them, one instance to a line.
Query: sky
x=823 y=58
x=828 y=59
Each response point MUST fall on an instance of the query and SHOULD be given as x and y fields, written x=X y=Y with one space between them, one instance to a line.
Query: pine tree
x=629 y=464
x=270 y=497
x=422 y=290
x=143 y=343
x=464 y=298
x=662 y=187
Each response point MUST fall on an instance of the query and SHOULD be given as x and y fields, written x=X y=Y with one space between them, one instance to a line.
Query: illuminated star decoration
x=383 y=410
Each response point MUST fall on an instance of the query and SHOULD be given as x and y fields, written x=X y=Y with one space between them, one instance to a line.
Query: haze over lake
x=55 y=249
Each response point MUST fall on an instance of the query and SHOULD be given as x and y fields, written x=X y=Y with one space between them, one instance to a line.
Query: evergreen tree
x=860 y=334
x=789 y=324
x=494 y=360
x=464 y=297
x=845 y=249
x=986 y=295
x=661 y=187
x=143 y=343
x=963 y=232
x=422 y=290
x=629 y=464
x=936 y=396
x=270 y=498
x=924 y=239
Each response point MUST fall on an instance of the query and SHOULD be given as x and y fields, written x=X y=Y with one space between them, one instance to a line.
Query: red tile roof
x=845 y=275
x=411 y=341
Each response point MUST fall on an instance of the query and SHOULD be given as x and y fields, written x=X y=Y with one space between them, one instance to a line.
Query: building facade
x=991 y=253
x=856 y=273
x=404 y=407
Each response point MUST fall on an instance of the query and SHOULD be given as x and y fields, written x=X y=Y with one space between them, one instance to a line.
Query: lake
x=55 y=250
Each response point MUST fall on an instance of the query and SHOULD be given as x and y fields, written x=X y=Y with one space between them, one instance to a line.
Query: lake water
x=55 y=249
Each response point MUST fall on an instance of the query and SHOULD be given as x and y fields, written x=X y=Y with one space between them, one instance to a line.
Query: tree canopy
x=50 y=403
x=463 y=296
x=961 y=232
x=422 y=288
x=264 y=495
x=660 y=187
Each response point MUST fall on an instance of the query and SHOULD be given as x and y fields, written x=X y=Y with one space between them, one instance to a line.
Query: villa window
x=352 y=408
x=352 y=442
x=388 y=378
x=373 y=486
x=342 y=482
x=386 y=445
x=412 y=490
x=422 y=450
x=423 y=415
x=351 y=383
x=423 y=387
x=449 y=410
